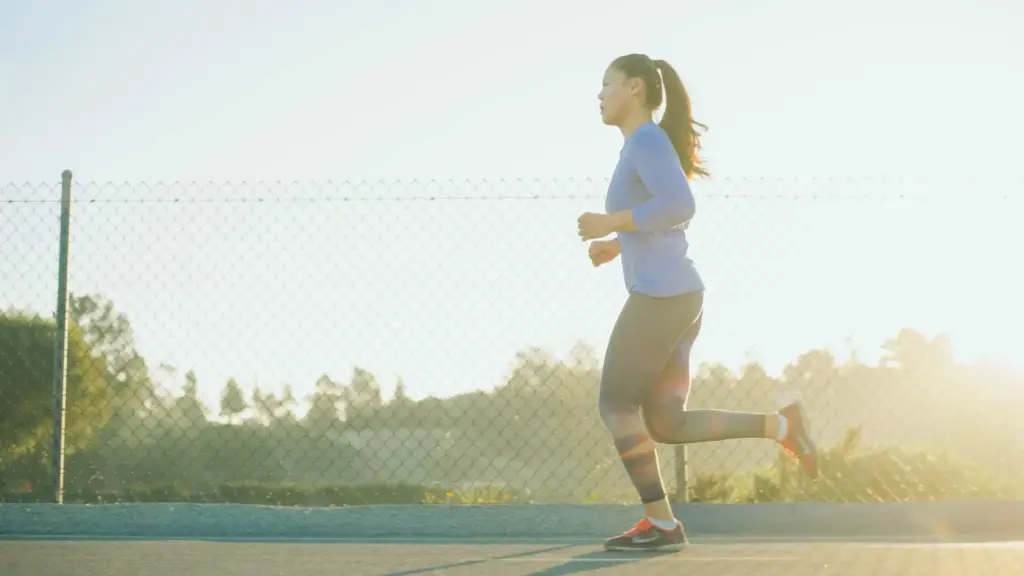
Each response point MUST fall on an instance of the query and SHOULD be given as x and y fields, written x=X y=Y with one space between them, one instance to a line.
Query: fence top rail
x=960 y=188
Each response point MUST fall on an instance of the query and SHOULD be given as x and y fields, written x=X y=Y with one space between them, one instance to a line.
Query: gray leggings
x=645 y=384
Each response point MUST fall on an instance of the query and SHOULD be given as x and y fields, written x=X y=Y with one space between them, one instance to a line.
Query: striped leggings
x=645 y=383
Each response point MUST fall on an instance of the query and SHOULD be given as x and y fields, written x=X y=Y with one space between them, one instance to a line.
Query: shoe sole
x=798 y=408
x=665 y=548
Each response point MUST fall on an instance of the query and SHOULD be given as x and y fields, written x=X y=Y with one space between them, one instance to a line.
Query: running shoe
x=646 y=536
x=798 y=442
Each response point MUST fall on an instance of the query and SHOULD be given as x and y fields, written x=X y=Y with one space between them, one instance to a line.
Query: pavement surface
x=379 y=558
x=984 y=538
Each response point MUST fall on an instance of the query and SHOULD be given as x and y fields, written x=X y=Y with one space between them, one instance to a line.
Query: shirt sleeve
x=657 y=164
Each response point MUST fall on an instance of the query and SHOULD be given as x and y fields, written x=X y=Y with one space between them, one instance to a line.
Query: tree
x=325 y=405
x=538 y=432
x=753 y=375
x=712 y=386
x=190 y=407
x=109 y=334
x=26 y=388
x=362 y=398
x=232 y=400
x=401 y=395
x=267 y=406
x=814 y=367
x=287 y=405
x=584 y=357
x=913 y=352
x=534 y=369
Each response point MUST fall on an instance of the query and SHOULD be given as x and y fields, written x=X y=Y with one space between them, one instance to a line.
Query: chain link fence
x=423 y=342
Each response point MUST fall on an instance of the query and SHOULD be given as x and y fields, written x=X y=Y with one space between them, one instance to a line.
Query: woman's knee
x=663 y=425
x=621 y=397
x=621 y=418
x=656 y=430
x=612 y=413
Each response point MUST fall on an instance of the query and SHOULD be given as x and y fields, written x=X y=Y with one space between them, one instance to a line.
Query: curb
x=945 y=520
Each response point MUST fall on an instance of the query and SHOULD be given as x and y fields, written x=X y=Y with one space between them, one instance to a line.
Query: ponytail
x=678 y=121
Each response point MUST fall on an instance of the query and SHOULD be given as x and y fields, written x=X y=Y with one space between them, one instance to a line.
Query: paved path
x=407 y=558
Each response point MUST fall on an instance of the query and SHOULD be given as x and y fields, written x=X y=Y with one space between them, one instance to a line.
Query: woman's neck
x=633 y=122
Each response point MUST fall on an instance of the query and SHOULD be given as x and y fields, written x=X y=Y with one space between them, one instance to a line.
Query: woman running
x=646 y=378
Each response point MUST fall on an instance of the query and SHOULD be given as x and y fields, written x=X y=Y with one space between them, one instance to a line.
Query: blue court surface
x=266 y=557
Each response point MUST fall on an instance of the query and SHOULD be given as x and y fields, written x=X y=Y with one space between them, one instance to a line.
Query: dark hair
x=678 y=120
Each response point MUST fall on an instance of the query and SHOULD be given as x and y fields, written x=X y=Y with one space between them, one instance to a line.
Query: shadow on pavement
x=479 y=561
x=602 y=560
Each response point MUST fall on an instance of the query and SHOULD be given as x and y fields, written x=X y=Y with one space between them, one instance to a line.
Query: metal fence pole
x=60 y=348
x=682 y=485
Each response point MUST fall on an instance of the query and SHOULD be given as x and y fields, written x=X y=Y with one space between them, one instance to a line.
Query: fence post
x=682 y=485
x=60 y=348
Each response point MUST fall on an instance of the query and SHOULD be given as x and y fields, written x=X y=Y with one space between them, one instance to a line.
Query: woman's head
x=636 y=85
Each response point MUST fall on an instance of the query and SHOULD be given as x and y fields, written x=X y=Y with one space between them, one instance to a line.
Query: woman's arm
x=672 y=204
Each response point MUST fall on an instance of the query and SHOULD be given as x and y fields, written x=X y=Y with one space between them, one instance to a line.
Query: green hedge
x=850 y=472
x=250 y=494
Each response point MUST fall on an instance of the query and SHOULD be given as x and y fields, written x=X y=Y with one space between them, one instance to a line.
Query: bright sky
x=444 y=293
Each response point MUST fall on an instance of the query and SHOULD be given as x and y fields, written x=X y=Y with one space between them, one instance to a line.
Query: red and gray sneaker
x=798 y=442
x=647 y=536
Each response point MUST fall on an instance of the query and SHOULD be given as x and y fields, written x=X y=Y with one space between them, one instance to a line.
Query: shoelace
x=640 y=526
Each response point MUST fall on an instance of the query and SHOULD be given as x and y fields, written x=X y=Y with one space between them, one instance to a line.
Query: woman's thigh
x=644 y=343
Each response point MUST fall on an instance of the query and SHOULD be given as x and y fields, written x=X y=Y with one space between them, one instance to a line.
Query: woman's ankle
x=660 y=511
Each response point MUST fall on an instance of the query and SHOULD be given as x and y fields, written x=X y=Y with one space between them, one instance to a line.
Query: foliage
x=852 y=472
x=27 y=384
x=536 y=438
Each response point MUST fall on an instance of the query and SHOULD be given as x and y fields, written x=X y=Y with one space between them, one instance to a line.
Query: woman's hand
x=593 y=226
x=603 y=251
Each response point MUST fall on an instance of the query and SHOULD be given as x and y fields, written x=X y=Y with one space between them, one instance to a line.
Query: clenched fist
x=603 y=251
x=592 y=225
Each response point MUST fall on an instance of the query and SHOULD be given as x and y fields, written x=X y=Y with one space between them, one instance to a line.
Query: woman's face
x=617 y=96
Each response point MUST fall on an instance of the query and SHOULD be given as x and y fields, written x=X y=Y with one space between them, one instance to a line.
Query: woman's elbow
x=681 y=210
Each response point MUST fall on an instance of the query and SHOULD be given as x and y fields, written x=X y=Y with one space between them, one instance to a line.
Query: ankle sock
x=664 y=524
x=783 y=427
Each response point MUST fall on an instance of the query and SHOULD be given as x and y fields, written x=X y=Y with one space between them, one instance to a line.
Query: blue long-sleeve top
x=649 y=180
